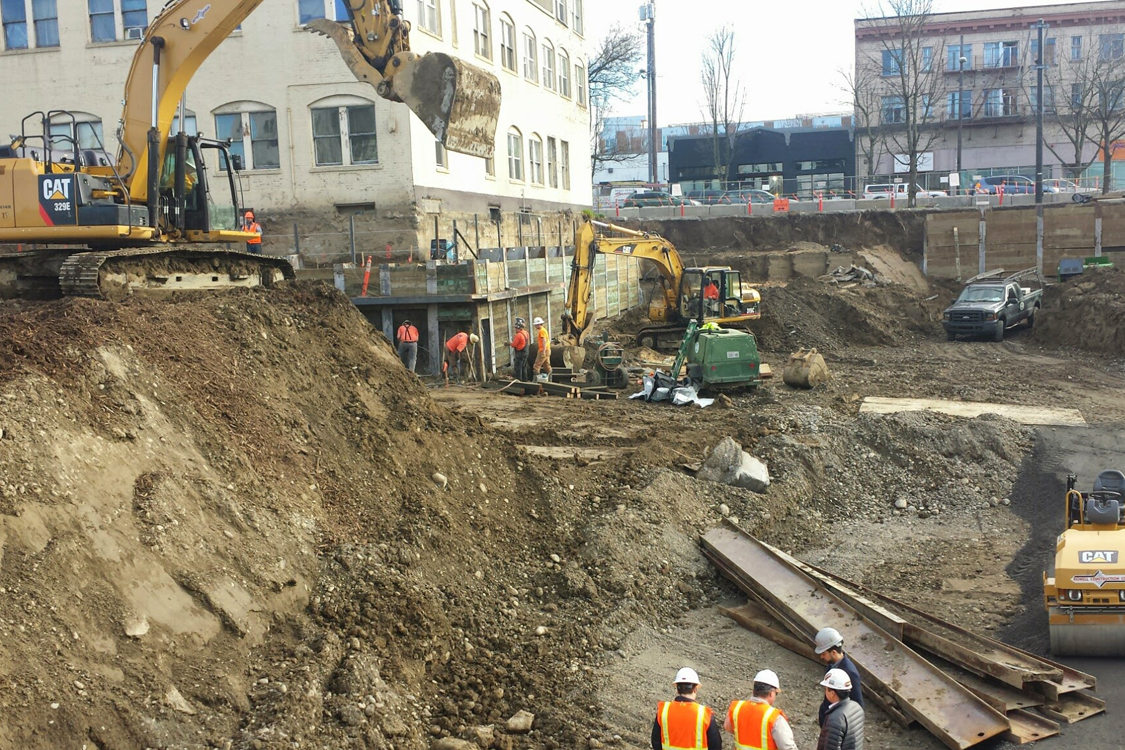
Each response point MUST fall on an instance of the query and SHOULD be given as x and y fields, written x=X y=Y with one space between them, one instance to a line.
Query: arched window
x=548 y=60
x=429 y=16
x=564 y=73
x=530 y=56
x=252 y=130
x=343 y=129
x=580 y=83
x=535 y=159
x=515 y=154
x=482 y=29
x=508 y=43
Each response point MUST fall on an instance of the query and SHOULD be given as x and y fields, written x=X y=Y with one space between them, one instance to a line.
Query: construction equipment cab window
x=721 y=290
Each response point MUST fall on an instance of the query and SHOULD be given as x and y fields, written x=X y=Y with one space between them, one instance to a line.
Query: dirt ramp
x=1087 y=312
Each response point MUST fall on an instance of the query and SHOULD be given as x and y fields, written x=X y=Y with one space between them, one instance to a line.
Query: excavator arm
x=459 y=103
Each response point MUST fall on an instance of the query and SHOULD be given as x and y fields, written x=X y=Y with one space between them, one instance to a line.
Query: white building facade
x=312 y=137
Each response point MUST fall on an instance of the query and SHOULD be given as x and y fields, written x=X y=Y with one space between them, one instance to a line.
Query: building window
x=1000 y=103
x=894 y=109
x=1111 y=46
x=927 y=59
x=1076 y=48
x=548 y=65
x=134 y=18
x=490 y=167
x=1076 y=95
x=507 y=44
x=955 y=52
x=560 y=11
x=535 y=159
x=892 y=62
x=926 y=102
x=960 y=105
x=428 y=16
x=252 y=129
x=190 y=125
x=576 y=16
x=564 y=74
x=15 y=24
x=1048 y=99
x=307 y=10
x=482 y=29
x=1048 y=52
x=530 y=61
x=580 y=83
x=564 y=164
x=103 y=24
x=441 y=156
x=515 y=155
x=552 y=163
x=1001 y=54
x=344 y=134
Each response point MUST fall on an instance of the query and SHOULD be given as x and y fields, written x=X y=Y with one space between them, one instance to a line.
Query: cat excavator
x=153 y=219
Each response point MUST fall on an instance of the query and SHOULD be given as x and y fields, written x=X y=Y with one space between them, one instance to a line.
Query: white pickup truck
x=900 y=190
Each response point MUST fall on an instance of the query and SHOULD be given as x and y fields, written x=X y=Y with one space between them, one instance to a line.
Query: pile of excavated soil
x=1087 y=312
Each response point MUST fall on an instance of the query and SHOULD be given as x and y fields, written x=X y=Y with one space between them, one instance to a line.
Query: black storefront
x=797 y=162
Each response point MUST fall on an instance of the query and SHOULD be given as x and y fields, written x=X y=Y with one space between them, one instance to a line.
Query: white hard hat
x=474 y=338
x=768 y=677
x=827 y=638
x=688 y=675
x=838 y=680
x=537 y=321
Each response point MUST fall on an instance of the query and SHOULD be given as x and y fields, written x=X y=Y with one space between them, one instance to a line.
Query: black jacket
x=714 y=735
x=843 y=727
x=857 y=691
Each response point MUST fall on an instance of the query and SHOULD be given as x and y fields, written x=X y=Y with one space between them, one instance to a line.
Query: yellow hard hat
x=474 y=338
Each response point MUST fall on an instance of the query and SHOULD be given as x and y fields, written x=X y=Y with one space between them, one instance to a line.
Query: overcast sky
x=789 y=51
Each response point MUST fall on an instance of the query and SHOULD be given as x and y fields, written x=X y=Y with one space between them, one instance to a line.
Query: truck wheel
x=950 y=335
x=1031 y=317
x=998 y=334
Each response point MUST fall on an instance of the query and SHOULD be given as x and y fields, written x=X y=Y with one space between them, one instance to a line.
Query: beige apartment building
x=314 y=140
x=976 y=74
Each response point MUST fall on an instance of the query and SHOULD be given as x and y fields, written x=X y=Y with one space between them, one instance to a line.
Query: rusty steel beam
x=1073 y=707
x=952 y=714
x=1029 y=727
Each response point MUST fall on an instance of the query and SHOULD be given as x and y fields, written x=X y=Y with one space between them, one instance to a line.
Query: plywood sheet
x=1023 y=414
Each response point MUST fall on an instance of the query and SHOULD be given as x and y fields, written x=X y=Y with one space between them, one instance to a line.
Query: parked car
x=899 y=190
x=1013 y=184
x=990 y=303
x=709 y=197
x=749 y=196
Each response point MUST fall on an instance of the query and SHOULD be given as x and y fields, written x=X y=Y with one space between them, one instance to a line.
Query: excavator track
x=158 y=271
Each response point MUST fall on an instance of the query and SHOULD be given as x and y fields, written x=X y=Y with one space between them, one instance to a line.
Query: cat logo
x=1097 y=556
x=56 y=188
x=58 y=196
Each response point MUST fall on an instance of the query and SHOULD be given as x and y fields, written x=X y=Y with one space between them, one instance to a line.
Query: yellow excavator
x=152 y=220
x=706 y=294
x=1085 y=598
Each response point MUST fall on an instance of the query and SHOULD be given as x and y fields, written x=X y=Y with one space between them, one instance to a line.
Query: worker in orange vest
x=407 y=339
x=543 y=349
x=254 y=244
x=756 y=724
x=520 y=345
x=684 y=723
x=456 y=352
x=711 y=296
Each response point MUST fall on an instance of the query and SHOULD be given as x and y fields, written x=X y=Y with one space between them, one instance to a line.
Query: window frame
x=247 y=140
x=954 y=53
x=424 y=8
x=547 y=64
x=562 y=15
x=342 y=105
x=580 y=84
x=564 y=164
x=535 y=160
x=530 y=55
x=509 y=53
x=552 y=163
x=891 y=63
x=1075 y=48
x=515 y=158
x=44 y=23
x=892 y=103
x=957 y=100
x=482 y=38
x=564 y=73
x=576 y=17
x=13 y=23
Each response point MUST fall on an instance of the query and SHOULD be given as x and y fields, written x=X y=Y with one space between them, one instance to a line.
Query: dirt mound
x=1086 y=312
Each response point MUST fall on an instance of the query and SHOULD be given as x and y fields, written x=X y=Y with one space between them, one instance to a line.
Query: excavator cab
x=718 y=292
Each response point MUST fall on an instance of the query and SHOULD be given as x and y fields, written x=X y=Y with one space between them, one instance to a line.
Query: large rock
x=729 y=464
x=520 y=722
x=452 y=743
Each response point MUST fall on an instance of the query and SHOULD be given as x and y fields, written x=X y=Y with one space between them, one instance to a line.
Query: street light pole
x=648 y=15
x=960 y=103
x=1039 y=149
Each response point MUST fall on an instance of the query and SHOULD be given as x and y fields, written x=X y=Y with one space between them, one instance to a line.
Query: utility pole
x=960 y=103
x=1041 y=27
x=648 y=15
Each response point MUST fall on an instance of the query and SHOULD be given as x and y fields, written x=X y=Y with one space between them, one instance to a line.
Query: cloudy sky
x=791 y=51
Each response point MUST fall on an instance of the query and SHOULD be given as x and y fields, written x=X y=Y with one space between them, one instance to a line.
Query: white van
x=900 y=191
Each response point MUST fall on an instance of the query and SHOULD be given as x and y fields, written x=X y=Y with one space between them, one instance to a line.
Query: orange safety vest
x=458 y=342
x=543 y=339
x=683 y=725
x=753 y=725
x=257 y=229
x=408 y=334
x=711 y=292
x=519 y=341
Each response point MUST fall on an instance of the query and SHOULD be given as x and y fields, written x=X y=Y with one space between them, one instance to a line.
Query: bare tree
x=861 y=88
x=612 y=71
x=1103 y=84
x=1068 y=105
x=724 y=97
x=907 y=75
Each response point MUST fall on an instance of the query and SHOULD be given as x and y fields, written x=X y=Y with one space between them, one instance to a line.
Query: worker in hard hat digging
x=829 y=647
x=543 y=352
x=457 y=351
x=842 y=728
x=684 y=722
x=756 y=723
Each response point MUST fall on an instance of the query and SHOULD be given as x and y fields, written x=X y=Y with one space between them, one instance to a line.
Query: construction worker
x=254 y=244
x=756 y=724
x=829 y=647
x=407 y=339
x=457 y=351
x=684 y=723
x=520 y=344
x=842 y=728
x=711 y=295
x=543 y=349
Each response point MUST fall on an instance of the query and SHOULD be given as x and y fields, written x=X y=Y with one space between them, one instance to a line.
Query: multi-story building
x=311 y=136
x=969 y=80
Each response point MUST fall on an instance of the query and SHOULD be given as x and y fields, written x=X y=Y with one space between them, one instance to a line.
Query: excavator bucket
x=458 y=102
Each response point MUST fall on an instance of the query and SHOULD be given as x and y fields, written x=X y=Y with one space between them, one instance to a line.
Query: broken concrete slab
x=729 y=464
x=1022 y=414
